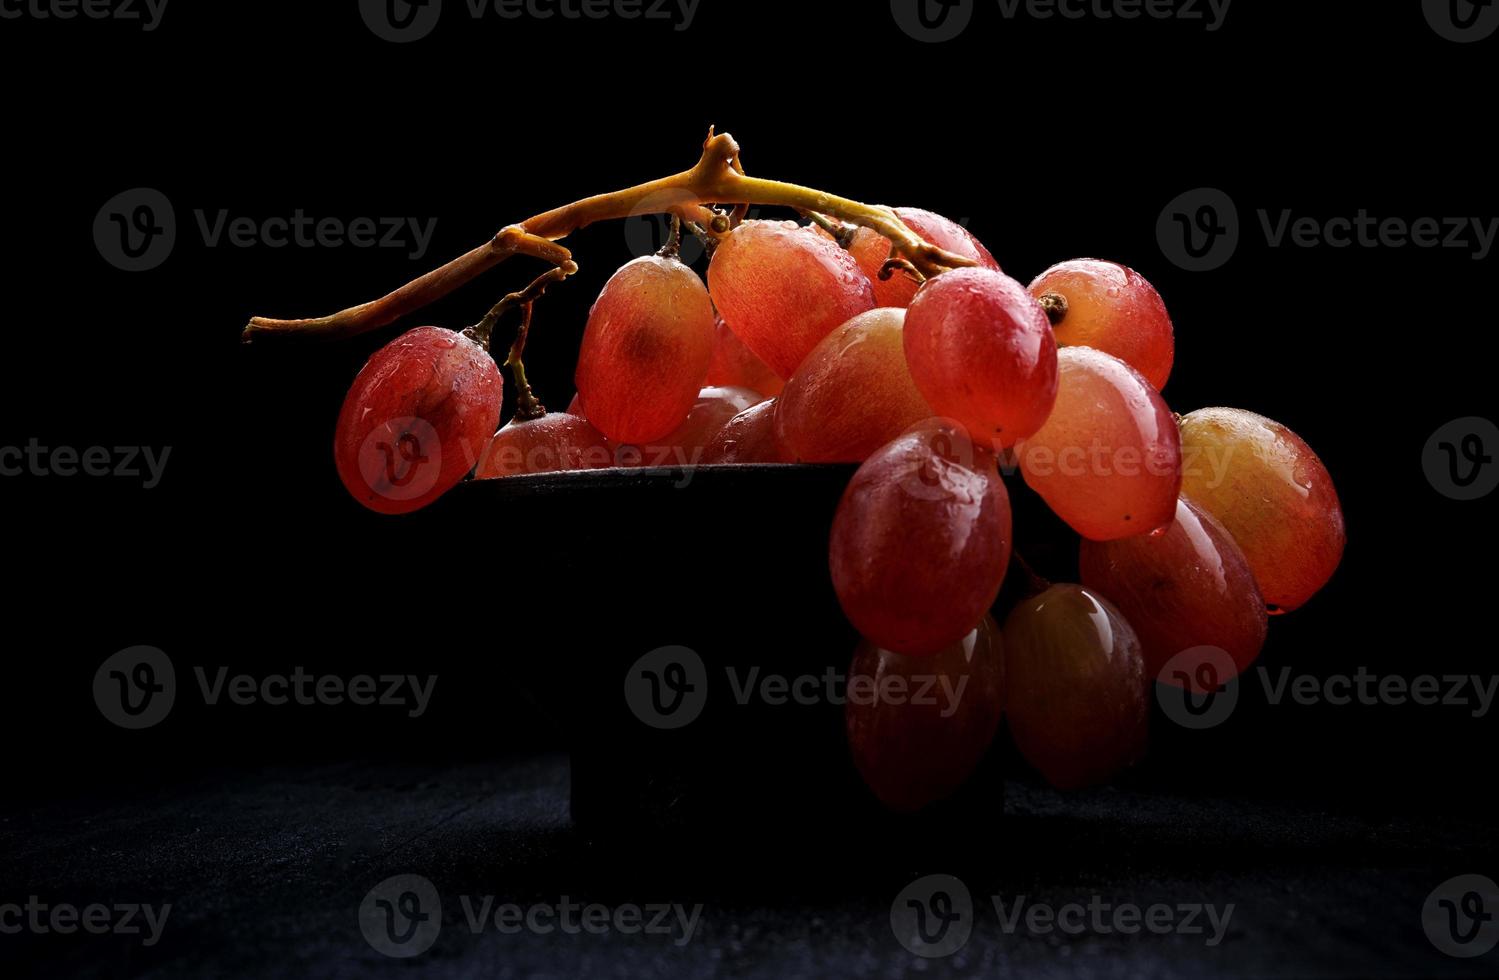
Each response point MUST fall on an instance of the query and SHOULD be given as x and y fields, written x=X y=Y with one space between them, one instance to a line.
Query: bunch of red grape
x=803 y=347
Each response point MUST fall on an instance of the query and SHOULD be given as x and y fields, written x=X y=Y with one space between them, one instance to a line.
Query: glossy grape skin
x=646 y=349
x=871 y=250
x=1187 y=587
x=1108 y=459
x=735 y=365
x=416 y=419
x=685 y=445
x=852 y=394
x=919 y=726
x=921 y=541
x=1112 y=308
x=981 y=351
x=1272 y=493
x=782 y=288
x=749 y=437
x=1078 y=693
x=556 y=441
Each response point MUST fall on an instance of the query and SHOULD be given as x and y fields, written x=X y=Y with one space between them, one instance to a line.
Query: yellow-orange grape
x=735 y=365
x=1272 y=493
x=852 y=394
x=781 y=288
x=1108 y=459
x=981 y=351
x=646 y=349
x=749 y=437
x=1112 y=308
x=556 y=441
x=919 y=726
x=1077 y=692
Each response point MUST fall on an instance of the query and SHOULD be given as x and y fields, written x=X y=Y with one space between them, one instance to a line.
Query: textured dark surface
x=266 y=869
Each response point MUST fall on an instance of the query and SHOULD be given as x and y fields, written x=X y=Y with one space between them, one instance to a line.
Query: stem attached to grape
x=718 y=178
x=1055 y=305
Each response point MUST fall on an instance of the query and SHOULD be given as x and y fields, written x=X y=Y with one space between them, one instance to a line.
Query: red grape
x=919 y=726
x=646 y=349
x=782 y=288
x=871 y=250
x=1108 y=459
x=982 y=352
x=1112 y=308
x=921 y=540
x=417 y=418
x=685 y=445
x=1187 y=587
x=735 y=365
x=1272 y=493
x=1078 y=693
x=852 y=394
x=749 y=437
x=556 y=441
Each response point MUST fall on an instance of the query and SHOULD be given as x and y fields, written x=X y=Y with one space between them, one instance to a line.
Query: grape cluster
x=810 y=346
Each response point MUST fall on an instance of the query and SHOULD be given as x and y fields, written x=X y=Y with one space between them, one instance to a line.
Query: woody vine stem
x=718 y=178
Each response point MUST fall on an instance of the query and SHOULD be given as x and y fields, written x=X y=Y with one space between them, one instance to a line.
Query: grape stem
x=718 y=178
x=1055 y=305
x=527 y=405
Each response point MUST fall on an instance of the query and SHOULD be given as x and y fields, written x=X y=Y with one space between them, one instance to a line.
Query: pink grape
x=749 y=437
x=1108 y=459
x=416 y=419
x=1112 y=308
x=646 y=350
x=781 y=288
x=556 y=441
x=921 y=541
x=981 y=351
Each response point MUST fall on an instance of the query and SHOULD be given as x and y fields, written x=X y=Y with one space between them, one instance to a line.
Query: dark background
x=1049 y=140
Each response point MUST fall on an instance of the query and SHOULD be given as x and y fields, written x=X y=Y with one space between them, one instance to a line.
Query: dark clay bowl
x=727 y=567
